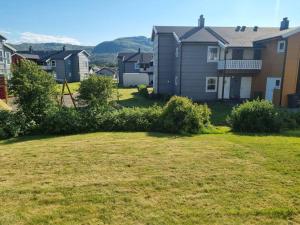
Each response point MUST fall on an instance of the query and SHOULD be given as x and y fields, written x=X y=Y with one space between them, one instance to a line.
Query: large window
x=1 y=56
x=211 y=84
x=177 y=52
x=137 y=66
x=281 y=47
x=8 y=58
x=213 y=54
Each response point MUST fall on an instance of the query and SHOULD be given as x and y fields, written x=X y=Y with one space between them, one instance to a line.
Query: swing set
x=66 y=85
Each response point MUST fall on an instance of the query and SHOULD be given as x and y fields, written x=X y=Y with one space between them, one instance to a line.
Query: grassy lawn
x=73 y=87
x=141 y=178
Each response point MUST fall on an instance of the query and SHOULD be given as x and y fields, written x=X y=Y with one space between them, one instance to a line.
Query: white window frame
x=208 y=53
x=177 y=52
x=2 y=57
x=137 y=66
x=279 y=50
x=53 y=61
x=216 y=84
x=54 y=75
x=8 y=58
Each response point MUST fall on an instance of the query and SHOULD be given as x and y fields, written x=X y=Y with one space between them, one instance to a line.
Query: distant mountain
x=130 y=44
x=103 y=53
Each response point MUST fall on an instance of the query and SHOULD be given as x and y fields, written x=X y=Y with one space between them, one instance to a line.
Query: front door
x=246 y=83
x=272 y=84
x=224 y=93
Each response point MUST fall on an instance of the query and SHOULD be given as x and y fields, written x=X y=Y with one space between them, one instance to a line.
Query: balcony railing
x=46 y=67
x=240 y=65
x=4 y=71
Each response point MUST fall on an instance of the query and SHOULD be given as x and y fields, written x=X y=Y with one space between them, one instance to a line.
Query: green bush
x=181 y=115
x=131 y=119
x=143 y=90
x=34 y=89
x=63 y=121
x=288 y=120
x=13 y=124
x=255 y=116
x=97 y=90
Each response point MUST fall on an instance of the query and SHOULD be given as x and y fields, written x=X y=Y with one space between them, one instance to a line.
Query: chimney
x=285 y=23
x=243 y=28
x=237 y=29
x=255 y=29
x=64 y=48
x=201 y=21
x=139 y=51
x=30 y=49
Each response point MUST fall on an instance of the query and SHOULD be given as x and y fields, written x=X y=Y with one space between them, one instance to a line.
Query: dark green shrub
x=255 y=116
x=63 y=121
x=288 y=120
x=143 y=90
x=132 y=119
x=97 y=90
x=181 y=115
x=34 y=89
x=13 y=124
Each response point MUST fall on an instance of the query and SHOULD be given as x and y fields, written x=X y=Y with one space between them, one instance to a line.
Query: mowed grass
x=148 y=178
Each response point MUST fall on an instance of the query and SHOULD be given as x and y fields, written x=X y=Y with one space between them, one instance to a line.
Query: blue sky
x=90 y=22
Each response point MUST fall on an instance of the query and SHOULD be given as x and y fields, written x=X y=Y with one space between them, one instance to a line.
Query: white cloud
x=4 y=32
x=28 y=37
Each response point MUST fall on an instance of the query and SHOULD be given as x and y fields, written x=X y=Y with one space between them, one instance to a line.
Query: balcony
x=240 y=65
x=46 y=67
x=4 y=71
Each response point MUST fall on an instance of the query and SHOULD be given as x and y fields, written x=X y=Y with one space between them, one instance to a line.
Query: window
x=54 y=75
x=176 y=81
x=70 y=74
x=53 y=63
x=211 y=84
x=281 y=47
x=177 y=52
x=8 y=58
x=277 y=84
x=137 y=66
x=213 y=54
x=86 y=63
x=1 y=56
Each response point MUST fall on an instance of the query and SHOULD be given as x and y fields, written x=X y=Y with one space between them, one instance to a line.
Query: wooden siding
x=272 y=66
x=291 y=68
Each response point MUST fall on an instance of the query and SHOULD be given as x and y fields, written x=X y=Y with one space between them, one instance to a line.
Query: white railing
x=4 y=71
x=46 y=67
x=240 y=65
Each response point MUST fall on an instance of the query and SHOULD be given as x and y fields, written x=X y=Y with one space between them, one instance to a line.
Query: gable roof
x=226 y=35
x=135 y=57
x=49 y=55
x=2 y=37
x=105 y=68
x=280 y=34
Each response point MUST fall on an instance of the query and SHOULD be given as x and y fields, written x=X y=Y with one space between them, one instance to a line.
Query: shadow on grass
x=139 y=101
x=24 y=139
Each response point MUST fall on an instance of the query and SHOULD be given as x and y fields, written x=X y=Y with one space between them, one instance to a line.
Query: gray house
x=207 y=63
x=137 y=62
x=106 y=71
x=72 y=65
x=6 y=52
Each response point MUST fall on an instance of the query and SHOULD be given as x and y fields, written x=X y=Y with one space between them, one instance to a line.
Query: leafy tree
x=34 y=89
x=97 y=90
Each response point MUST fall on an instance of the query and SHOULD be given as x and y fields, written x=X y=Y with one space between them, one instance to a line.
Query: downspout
x=158 y=63
x=283 y=72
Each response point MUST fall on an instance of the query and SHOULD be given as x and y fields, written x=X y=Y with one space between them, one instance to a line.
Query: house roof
x=282 y=34
x=135 y=57
x=9 y=47
x=2 y=37
x=49 y=55
x=227 y=35
x=105 y=68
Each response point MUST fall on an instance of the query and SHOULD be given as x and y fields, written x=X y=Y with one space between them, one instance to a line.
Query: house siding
x=194 y=71
x=4 y=65
x=272 y=66
x=155 y=64
x=83 y=63
x=166 y=55
x=291 y=68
